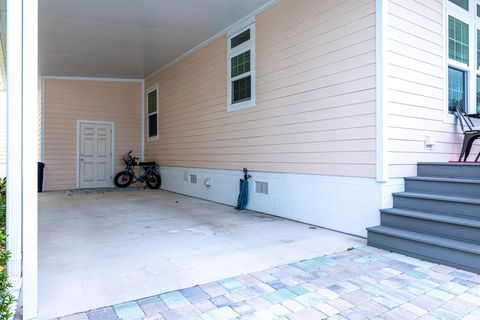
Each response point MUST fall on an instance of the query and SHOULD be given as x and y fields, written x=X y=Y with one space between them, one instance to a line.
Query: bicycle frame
x=146 y=170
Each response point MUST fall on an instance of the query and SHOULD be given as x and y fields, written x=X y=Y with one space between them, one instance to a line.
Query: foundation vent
x=193 y=178
x=261 y=187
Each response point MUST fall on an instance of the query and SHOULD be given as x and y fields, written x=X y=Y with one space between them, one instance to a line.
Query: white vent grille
x=261 y=187
x=193 y=178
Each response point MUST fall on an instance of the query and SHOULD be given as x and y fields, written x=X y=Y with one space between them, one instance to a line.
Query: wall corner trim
x=381 y=92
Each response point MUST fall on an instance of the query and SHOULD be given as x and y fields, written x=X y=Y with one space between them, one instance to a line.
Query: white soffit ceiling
x=128 y=38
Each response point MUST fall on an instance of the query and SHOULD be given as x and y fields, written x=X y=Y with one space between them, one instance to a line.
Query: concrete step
x=449 y=170
x=458 y=254
x=468 y=207
x=452 y=227
x=441 y=185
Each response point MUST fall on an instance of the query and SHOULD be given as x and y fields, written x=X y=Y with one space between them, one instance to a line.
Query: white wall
x=347 y=204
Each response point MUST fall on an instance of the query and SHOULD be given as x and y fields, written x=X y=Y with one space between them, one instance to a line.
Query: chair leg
x=466 y=139
x=471 y=140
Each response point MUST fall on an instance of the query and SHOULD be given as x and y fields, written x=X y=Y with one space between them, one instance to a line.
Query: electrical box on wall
x=429 y=143
x=208 y=182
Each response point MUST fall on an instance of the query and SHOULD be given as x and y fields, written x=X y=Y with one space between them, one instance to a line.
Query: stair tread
x=444 y=179
x=426 y=238
x=463 y=221
x=449 y=163
x=440 y=197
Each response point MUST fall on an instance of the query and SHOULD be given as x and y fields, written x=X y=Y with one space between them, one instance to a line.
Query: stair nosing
x=439 y=197
x=434 y=240
x=459 y=164
x=431 y=216
x=444 y=179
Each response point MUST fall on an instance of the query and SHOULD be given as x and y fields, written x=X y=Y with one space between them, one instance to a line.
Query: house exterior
x=345 y=99
x=69 y=104
x=329 y=104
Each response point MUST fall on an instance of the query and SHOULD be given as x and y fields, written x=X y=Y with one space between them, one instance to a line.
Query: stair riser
x=451 y=171
x=451 y=257
x=441 y=207
x=441 y=187
x=453 y=231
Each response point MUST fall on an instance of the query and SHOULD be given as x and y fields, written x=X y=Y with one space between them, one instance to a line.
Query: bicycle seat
x=148 y=163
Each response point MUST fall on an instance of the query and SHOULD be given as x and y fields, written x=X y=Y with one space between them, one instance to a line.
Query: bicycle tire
x=123 y=179
x=153 y=181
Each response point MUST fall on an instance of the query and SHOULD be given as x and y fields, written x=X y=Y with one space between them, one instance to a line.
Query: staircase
x=437 y=218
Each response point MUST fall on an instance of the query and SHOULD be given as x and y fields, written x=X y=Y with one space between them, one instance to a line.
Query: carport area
x=102 y=248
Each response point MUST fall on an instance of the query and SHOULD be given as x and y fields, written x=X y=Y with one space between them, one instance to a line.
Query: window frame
x=473 y=21
x=231 y=53
x=156 y=137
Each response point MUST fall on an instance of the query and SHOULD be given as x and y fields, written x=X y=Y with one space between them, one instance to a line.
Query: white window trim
x=155 y=88
x=249 y=45
x=473 y=22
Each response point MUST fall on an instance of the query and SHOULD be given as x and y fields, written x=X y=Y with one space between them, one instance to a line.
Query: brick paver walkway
x=363 y=283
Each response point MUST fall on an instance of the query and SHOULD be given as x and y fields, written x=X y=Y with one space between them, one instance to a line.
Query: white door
x=95 y=155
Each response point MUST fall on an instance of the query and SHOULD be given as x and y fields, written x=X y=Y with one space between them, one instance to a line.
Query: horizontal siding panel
x=419 y=135
x=305 y=147
x=432 y=55
x=308 y=168
x=421 y=40
x=418 y=11
x=272 y=118
x=67 y=101
x=407 y=74
x=338 y=95
x=275 y=116
x=327 y=124
x=422 y=123
x=416 y=87
x=397 y=95
x=315 y=109
x=352 y=134
x=413 y=63
x=299 y=157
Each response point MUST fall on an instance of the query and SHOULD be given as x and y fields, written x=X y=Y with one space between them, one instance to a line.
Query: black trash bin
x=41 y=166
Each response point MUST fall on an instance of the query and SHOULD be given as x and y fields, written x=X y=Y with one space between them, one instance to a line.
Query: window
x=463 y=55
x=152 y=112
x=241 y=68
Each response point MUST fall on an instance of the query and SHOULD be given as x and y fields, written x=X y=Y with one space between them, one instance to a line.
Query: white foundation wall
x=346 y=204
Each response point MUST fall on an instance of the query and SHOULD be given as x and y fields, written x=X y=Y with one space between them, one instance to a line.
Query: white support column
x=382 y=89
x=22 y=101
x=14 y=137
x=30 y=158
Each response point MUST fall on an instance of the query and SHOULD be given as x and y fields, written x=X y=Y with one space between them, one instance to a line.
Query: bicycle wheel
x=153 y=181
x=123 y=179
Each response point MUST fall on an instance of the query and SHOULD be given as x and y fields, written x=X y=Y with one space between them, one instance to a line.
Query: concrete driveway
x=98 y=249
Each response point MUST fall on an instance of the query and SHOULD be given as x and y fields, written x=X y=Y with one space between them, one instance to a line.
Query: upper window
x=463 y=55
x=241 y=68
x=152 y=109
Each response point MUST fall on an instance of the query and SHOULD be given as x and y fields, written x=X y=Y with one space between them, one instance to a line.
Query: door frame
x=77 y=160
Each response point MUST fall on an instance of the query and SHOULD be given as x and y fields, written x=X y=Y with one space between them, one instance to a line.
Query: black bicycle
x=149 y=173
